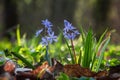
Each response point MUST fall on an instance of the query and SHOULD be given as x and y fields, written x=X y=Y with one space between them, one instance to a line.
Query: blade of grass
x=83 y=43
x=18 y=35
x=80 y=57
x=23 y=60
x=87 y=56
x=96 y=50
x=101 y=52
x=101 y=38
x=83 y=34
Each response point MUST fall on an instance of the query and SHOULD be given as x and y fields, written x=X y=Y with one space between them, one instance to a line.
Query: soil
x=46 y=72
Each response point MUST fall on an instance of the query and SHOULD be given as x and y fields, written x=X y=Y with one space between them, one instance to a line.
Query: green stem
x=23 y=60
x=47 y=56
x=73 y=50
x=73 y=61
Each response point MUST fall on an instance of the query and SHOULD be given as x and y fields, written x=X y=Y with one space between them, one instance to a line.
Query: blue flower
x=52 y=38
x=49 y=36
x=69 y=31
x=47 y=23
x=76 y=32
x=44 y=41
x=48 y=39
x=68 y=26
x=70 y=36
x=38 y=32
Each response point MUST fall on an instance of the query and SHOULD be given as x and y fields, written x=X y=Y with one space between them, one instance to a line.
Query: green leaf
x=23 y=60
x=80 y=57
x=87 y=47
x=101 y=52
x=97 y=47
x=18 y=35
x=6 y=51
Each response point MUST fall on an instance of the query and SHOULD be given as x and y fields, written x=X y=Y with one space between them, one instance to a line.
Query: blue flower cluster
x=69 y=31
x=50 y=36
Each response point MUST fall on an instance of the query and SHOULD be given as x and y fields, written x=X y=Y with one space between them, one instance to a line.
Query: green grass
x=92 y=48
x=89 y=52
x=87 y=49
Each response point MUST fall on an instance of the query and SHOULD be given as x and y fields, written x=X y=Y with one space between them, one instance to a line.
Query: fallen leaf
x=101 y=74
x=9 y=66
x=75 y=70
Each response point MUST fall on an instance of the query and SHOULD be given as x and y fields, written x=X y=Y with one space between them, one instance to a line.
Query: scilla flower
x=52 y=38
x=49 y=34
x=47 y=23
x=69 y=31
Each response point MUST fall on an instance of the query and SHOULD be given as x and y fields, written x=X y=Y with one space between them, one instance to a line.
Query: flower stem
x=73 y=50
x=47 y=56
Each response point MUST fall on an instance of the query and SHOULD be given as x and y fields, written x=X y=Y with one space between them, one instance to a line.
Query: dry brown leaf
x=101 y=74
x=75 y=70
x=45 y=71
x=9 y=66
x=41 y=68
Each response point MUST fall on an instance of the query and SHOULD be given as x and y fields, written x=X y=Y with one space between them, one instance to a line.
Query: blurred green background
x=100 y=14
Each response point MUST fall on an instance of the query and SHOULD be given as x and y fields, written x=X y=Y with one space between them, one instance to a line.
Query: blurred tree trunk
x=63 y=9
x=114 y=21
x=31 y=12
x=93 y=13
x=1 y=16
x=100 y=16
x=83 y=13
x=10 y=15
